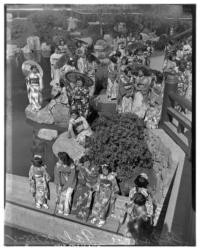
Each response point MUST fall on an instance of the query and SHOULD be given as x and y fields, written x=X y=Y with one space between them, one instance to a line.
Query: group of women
x=89 y=192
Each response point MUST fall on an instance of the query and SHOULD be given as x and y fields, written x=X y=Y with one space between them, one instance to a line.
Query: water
x=23 y=131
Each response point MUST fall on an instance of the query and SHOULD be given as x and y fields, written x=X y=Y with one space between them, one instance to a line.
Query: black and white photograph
x=99 y=124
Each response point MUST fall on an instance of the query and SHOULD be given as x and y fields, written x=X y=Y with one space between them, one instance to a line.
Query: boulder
x=68 y=145
x=47 y=134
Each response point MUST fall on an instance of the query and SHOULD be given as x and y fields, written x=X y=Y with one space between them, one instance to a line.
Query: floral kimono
x=65 y=180
x=84 y=193
x=34 y=87
x=39 y=188
x=80 y=128
x=112 y=87
x=125 y=96
x=105 y=197
x=149 y=202
x=80 y=100
x=91 y=69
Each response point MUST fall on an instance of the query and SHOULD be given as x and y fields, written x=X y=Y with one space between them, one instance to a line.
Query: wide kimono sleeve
x=72 y=177
x=57 y=180
x=32 y=180
x=45 y=173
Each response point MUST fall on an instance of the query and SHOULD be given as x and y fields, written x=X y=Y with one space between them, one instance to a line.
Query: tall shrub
x=119 y=140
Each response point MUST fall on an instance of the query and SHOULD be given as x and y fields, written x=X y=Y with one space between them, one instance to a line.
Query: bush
x=119 y=140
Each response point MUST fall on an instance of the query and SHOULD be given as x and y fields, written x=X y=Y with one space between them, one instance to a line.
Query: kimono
x=112 y=87
x=39 y=178
x=84 y=193
x=105 y=197
x=149 y=202
x=34 y=87
x=65 y=180
x=80 y=100
x=139 y=105
x=134 y=211
x=80 y=128
x=65 y=69
x=82 y=65
x=126 y=93
x=53 y=60
x=91 y=69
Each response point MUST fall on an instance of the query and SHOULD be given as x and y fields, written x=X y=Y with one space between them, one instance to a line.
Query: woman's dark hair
x=118 y=53
x=113 y=59
x=107 y=166
x=79 y=78
x=127 y=69
x=91 y=58
x=62 y=83
x=34 y=67
x=84 y=158
x=141 y=182
x=139 y=199
x=37 y=162
x=126 y=59
x=65 y=158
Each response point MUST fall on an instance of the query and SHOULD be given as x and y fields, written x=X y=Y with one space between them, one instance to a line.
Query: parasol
x=26 y=67
x=72 y=77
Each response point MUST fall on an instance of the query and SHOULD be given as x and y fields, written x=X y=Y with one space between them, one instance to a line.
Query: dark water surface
x=23 y=131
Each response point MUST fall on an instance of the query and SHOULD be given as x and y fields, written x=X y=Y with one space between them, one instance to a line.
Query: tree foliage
x=119 y=140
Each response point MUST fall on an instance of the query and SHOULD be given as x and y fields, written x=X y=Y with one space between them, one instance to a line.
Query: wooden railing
x=176 y=124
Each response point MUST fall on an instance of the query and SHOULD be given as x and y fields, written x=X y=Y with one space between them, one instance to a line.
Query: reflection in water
x=24 y=140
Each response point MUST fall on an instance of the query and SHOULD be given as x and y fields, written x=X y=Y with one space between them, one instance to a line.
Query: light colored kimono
x=34 y=86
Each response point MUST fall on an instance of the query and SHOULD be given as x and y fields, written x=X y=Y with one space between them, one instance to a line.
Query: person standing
x=34 y=87
x=65 y=180
x=53 y=60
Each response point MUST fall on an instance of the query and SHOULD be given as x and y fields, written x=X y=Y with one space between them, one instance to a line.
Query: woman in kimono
x=65 y=180
x=80 y=98
x=53 y=60
x=79 y=128
x=81 y=62
x=141 y=88
x=39 y=179
x=141 y=186
x=34 y=87
x=105 y=196
x=135 y=222
x=126 y=91
x=91 y=71
x=86 y=187
x=112 y=87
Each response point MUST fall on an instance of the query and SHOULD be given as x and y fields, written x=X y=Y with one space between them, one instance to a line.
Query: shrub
x=119 y=140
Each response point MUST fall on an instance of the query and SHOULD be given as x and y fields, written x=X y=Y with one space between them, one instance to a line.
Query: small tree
x=119 y=140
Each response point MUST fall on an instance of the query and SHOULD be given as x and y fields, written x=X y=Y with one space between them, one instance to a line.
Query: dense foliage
x=119 y=140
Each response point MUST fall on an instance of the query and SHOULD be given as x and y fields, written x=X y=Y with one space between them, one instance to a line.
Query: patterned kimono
x=126 y=92
x=91 y=69
x=112 y=87
x=53 y=60
x=83 y=196
x=80 y=100
x=82 y=65
x=81 y=129
x=34 y=86
x=149 y=202
x=39 y=188
x=65 y=180
x=105 y=197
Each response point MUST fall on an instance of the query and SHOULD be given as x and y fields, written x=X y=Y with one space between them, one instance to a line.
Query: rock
x=61 y=115
x=47 y=134
x=70 y=146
